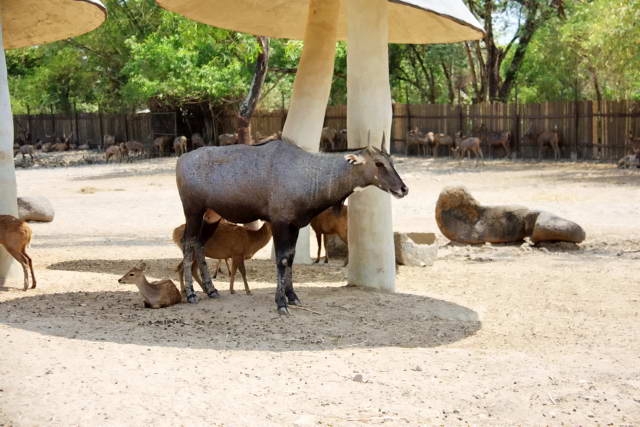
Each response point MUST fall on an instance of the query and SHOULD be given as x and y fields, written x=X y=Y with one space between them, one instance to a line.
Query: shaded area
x=258 y=270
x=80 y=240
x=349 y=317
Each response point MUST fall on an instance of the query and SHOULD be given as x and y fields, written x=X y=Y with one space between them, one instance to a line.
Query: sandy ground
x=495 y=335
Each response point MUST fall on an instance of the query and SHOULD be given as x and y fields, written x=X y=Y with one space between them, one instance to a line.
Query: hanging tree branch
x=248 y=105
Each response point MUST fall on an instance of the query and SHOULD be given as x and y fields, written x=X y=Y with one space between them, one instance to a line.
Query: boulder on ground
x=415 y=249
x=551 y=228
x=461 y=218
x=35 y=209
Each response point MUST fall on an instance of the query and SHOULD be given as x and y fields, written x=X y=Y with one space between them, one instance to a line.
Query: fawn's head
x=134 y=274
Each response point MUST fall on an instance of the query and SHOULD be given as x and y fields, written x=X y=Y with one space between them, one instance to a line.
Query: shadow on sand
x=346 y=317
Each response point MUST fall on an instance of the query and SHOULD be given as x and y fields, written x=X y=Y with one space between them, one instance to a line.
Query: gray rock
x=551 y=228
x=35 y=209
x=415 y=249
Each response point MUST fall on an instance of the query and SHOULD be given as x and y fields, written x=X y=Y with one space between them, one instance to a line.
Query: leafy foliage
x=143 y=55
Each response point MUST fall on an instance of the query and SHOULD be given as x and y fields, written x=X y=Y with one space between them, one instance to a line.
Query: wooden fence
x=90 y=128
x=588 y=130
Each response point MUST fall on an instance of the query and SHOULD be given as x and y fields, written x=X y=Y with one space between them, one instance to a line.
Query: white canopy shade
x=34 y=22
x=410 y=21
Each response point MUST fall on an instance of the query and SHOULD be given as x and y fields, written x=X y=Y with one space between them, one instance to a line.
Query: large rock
x=461 y=218
x=35 y=209
x=551 y=228
x=415 y=249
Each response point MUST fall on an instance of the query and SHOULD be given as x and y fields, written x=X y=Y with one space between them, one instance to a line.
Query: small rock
x=35 y=209
x=358 y=378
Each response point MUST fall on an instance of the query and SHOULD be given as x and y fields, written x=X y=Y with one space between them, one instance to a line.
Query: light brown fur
x=134 y=147
x=229 y=241
x=420 y=140
x=162 y=293
x=329 y=222
x=15 y=236
x=467 y=146
x=180 y=145
x=162 y=144
x=551 y=138
x=115 y=152
x=438 y=139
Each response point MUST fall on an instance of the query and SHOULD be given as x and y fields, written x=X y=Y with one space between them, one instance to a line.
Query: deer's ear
x=141 y=265
x=355 y=159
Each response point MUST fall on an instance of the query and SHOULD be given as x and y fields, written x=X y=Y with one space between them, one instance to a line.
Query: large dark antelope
x=276 y=182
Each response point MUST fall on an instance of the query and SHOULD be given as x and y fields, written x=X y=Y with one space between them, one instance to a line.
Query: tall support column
x=8 y=192
x=371 y=249
x=311 y=90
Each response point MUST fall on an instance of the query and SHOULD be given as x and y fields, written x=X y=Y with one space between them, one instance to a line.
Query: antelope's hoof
x=295 y=301
x=232 y=291
x=316 y=261
x=214 y=294
x=33 y=286
x=248 y=292
x=283 y=311
x=192 y=299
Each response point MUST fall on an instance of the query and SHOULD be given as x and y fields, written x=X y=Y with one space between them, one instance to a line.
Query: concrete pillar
x=8 y=191
x=371 y=249
x=311 y=90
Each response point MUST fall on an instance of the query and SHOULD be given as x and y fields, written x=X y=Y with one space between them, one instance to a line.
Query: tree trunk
x=472 y=67
x=447 y=74
x=526 y=35
x=248 y=106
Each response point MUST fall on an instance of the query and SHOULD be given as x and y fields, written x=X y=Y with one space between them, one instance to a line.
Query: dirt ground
x=490 y=335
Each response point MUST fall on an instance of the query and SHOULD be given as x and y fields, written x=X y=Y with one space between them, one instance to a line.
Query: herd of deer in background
x=421 y=142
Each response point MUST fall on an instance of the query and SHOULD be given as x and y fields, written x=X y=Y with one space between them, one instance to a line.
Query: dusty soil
x=489 y=335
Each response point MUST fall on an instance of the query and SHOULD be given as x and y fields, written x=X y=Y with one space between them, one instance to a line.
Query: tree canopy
x=142 y=56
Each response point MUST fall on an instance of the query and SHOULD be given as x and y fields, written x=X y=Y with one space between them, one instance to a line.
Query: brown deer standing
x=113 y=152
x=552 y=139
x=467 y=146
x=161 y=145
x=162 y=293
x=438 y=139
x=420 y=140
x=15 y=236
x=331 y=221
x=229 y=241
x=180 y=145
x=499 y=139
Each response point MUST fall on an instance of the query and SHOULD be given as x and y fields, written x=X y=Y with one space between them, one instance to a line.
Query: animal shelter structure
x=368 y=26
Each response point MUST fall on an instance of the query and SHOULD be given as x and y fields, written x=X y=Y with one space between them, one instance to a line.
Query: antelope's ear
x=141 y=265
x=355 y=159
